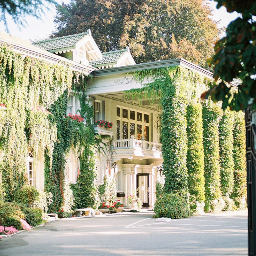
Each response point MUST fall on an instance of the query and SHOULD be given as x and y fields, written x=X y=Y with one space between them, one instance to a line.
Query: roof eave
x=152 y=65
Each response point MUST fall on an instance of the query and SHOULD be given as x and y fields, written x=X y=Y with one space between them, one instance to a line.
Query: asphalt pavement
x=134 y=234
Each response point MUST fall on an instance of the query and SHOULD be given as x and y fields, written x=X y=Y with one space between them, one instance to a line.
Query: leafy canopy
x=153 y=29
x=235 y=58
x=18 y=9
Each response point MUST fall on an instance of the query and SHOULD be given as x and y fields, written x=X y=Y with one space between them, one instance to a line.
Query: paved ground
x=134 y=234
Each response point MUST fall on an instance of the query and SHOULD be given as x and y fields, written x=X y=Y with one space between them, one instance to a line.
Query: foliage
x=153 y=30
x=26 y=195
x=211 y=119
x=43 y=200
x=195 y=155
x=226 y=152
x=78 y=118
x=172 y=205
x=12 y=222
x=33 y=216
x=105 y=124
x=239 y=155
x=68 y=198
x=19 y=9
x=26 y=83
x=10 y=214
x=35 y=120
x=84 y=190
x=235 y=58
x=108 y=189
x=174 y=134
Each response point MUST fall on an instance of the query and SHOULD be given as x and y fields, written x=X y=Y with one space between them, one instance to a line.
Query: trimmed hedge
x=174 y=137
x=239 y=155
x=195 y=155
x=226 y=156
x=211 y=118
x=33 y=216
x=172 y=205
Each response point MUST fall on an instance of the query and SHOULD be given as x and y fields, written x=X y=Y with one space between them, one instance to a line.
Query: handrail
x=136 y=144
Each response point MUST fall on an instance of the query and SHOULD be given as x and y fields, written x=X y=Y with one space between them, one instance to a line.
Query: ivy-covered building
x=87 y=115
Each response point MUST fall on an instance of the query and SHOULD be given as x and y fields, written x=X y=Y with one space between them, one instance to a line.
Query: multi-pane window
x=31 y=172
x=132 y=123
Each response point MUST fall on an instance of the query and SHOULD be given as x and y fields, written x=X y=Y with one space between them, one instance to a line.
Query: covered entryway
x=142 y=186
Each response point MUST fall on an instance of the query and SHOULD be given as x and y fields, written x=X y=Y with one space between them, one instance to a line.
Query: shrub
x=195 y=155
x=33 y=216
x=10 y=215
x=26 y=195
x=172 y=205
x=12 y=222
x=226 y=153
x=211 y=118
x=239 y=155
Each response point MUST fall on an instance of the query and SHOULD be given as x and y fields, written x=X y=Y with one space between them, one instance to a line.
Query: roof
x=61 y=43
x=26 y=48
x=109 y=58
x=152 y=65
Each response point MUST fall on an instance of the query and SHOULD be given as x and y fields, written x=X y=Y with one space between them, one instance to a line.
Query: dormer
x=114 y=59
x=80 y=48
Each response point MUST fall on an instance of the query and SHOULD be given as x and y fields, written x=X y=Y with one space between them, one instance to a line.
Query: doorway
x=143 y=188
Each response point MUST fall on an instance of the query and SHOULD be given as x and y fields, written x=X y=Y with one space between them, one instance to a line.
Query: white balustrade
x=136 y=144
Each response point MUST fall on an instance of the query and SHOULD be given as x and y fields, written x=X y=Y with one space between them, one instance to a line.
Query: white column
x=153 y=187
x=125 y=187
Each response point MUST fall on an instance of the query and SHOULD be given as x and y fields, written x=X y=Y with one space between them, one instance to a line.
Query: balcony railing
x=139 y=147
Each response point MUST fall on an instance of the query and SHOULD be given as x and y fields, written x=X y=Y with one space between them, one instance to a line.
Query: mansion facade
x=133 y=154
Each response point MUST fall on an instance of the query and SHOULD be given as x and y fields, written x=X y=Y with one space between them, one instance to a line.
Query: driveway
x=134 y=234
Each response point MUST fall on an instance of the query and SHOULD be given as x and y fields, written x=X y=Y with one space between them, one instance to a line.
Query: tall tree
x=234 y=61
x=18 y=9
x=153 y=29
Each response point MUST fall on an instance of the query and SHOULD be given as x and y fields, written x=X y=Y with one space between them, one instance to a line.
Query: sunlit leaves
x=235 y=58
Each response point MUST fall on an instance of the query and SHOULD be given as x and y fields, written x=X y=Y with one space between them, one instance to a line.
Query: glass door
x=143 y=188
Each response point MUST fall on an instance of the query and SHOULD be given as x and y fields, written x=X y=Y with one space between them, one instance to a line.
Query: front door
x=143 y=188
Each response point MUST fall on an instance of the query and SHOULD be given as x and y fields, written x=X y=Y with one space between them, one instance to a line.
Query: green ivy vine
x=35 y=93
x=195 y=155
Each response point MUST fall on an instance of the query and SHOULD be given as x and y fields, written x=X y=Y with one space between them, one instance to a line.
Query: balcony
x=130 y=148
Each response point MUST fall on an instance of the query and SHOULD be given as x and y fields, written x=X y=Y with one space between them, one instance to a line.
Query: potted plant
x=104 y=124
x=119 y=207
x=104 y=207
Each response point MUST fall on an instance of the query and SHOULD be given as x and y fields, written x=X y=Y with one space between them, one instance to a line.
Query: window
x=30 y=171
x=132 y=123
x=70 y=108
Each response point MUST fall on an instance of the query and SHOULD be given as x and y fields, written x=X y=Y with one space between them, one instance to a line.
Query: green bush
x=195 y=155
x=33 y=217
x=226 y=153
x=26 y=195
x=12 y=222
x=239 y=155
x=172 y=205
x=211 y=118
x=10 y=215
x=174 y=136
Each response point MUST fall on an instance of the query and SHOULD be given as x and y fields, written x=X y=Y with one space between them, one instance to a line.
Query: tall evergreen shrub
x=239 y=155
x=226 y=156
x=174 y=136
x=211 y=118
x=195 y=155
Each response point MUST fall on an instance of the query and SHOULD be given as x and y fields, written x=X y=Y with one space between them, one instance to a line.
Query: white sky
x=41 y=29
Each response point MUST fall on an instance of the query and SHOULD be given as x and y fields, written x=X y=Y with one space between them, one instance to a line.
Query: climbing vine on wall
x=239 y=151
x=211 y=119
x=226 y=156
x=26 y=84
x=35 y=93
x=195 y=155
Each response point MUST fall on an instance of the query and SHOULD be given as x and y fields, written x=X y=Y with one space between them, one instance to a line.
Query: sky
x=41 y=29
